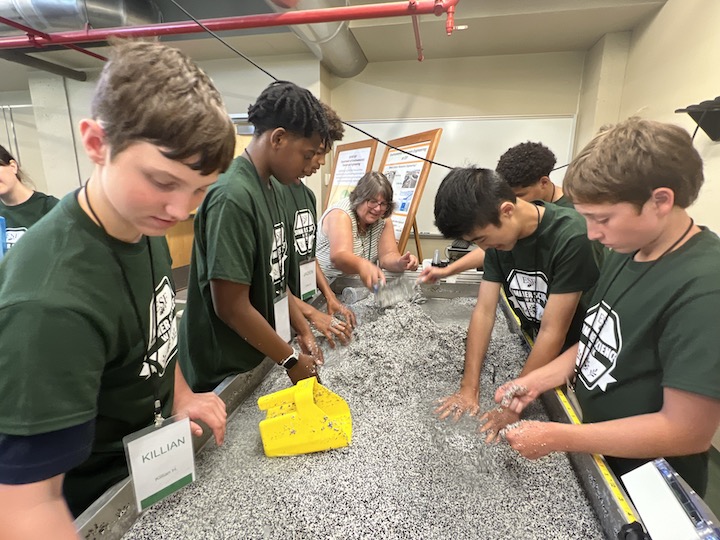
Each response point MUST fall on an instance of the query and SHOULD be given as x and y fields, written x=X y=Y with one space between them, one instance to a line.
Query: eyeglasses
x=374 y=204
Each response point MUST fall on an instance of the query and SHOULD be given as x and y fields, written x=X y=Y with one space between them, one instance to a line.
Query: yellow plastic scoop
x=304 y=418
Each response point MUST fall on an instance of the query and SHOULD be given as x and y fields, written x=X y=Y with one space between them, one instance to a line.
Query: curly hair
x=285 y=105
x=524 y=164
x=335 y=128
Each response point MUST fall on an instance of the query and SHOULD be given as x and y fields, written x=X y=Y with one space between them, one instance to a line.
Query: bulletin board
x=471 y=141
x=408 y=171
x=351 y=162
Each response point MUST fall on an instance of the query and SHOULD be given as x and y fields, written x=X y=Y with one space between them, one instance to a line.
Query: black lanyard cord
x=362 y=242
x=126 y=282
x=535 y=263
x=591 y=344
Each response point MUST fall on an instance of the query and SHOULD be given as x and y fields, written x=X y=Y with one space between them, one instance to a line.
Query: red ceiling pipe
x=418 y=42
x=33 y=34
x=450 y=21
x=348 y=13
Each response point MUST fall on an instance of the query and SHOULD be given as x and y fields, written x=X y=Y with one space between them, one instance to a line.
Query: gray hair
x=369 y=186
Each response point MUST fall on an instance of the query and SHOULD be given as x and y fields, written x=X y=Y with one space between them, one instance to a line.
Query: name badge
x=161 y=460
x=282 y=317
x=308 y=279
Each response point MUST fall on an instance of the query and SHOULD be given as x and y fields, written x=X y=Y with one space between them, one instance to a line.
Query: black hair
x=5 y=159
x=286 y=105
x=524 y=164
x=5 y=156
x=470 y=198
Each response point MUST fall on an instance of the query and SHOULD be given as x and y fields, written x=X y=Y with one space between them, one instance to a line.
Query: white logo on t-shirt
x=163 y=334
x=304 y=232
x=528 y=293
x=12 y=235
x=601 y=331
x=278 y=255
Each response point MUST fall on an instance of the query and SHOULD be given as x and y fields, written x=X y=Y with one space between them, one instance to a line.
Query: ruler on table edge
x=599 y=459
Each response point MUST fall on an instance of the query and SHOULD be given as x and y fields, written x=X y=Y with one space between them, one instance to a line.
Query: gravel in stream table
x=405 y=475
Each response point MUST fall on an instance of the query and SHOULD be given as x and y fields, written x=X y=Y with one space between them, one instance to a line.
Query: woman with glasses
x=356 y=236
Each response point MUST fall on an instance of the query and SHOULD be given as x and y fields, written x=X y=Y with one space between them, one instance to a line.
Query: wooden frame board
x=352 y=161
x=408 y=175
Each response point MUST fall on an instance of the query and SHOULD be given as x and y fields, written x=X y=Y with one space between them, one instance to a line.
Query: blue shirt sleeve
x=26 y=459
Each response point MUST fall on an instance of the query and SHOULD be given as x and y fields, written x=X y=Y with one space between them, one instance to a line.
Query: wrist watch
x=289 y=362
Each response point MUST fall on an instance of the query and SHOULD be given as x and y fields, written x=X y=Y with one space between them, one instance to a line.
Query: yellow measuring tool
x=599 y=459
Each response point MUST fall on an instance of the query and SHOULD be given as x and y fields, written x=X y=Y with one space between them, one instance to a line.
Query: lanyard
x=362 y=243
x=591 y=344
x=157 y=416
x=535 y=264
x=267 y=204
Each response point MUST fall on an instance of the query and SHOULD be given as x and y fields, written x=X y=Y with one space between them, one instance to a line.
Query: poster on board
x=352 y=161
x=406 y=166
x=403 y=170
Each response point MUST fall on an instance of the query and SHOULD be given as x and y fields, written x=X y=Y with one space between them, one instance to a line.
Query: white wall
x=238 y=82
x=672 y=63
x=602 y=85
x=29 y=155
x=472 y=86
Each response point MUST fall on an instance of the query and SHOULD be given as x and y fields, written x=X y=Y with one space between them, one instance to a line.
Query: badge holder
x=282 y=316
x=308 y=279
x=160 y=459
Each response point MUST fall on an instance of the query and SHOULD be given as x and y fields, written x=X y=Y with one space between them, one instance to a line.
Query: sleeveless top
x=365 y=246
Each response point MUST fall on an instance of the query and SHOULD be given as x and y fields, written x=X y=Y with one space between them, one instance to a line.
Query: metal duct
x=332 y=43
x=57 y=15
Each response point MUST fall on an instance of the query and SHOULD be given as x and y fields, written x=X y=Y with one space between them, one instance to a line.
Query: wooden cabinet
x=180 y=237
x=180 y=241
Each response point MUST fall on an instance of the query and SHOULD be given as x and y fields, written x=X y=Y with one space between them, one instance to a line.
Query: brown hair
x=370 y=185
x=151 y=92
x=627 y=161
x=335 y=127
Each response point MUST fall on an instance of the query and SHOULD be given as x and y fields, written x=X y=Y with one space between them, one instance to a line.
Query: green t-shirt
x=599 y=251
x=240 y=236
x=555 y=259
x=302 y=217
x=20 y=217
x=70 y=345
x=659 y=331
x=564 y=202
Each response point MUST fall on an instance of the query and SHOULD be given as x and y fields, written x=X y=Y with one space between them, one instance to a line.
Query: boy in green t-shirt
x=238 y=302
x=540 y=255
x=647 y=367
x=302 y=215
x=526 y=168
x=87 y=322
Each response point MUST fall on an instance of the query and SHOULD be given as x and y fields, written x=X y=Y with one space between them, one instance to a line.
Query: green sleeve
x=50 y=203
x=574 y=267
x=230 y=242
x=688 y=347
x=51 y=360
x=491 y=267
x=313 y=202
